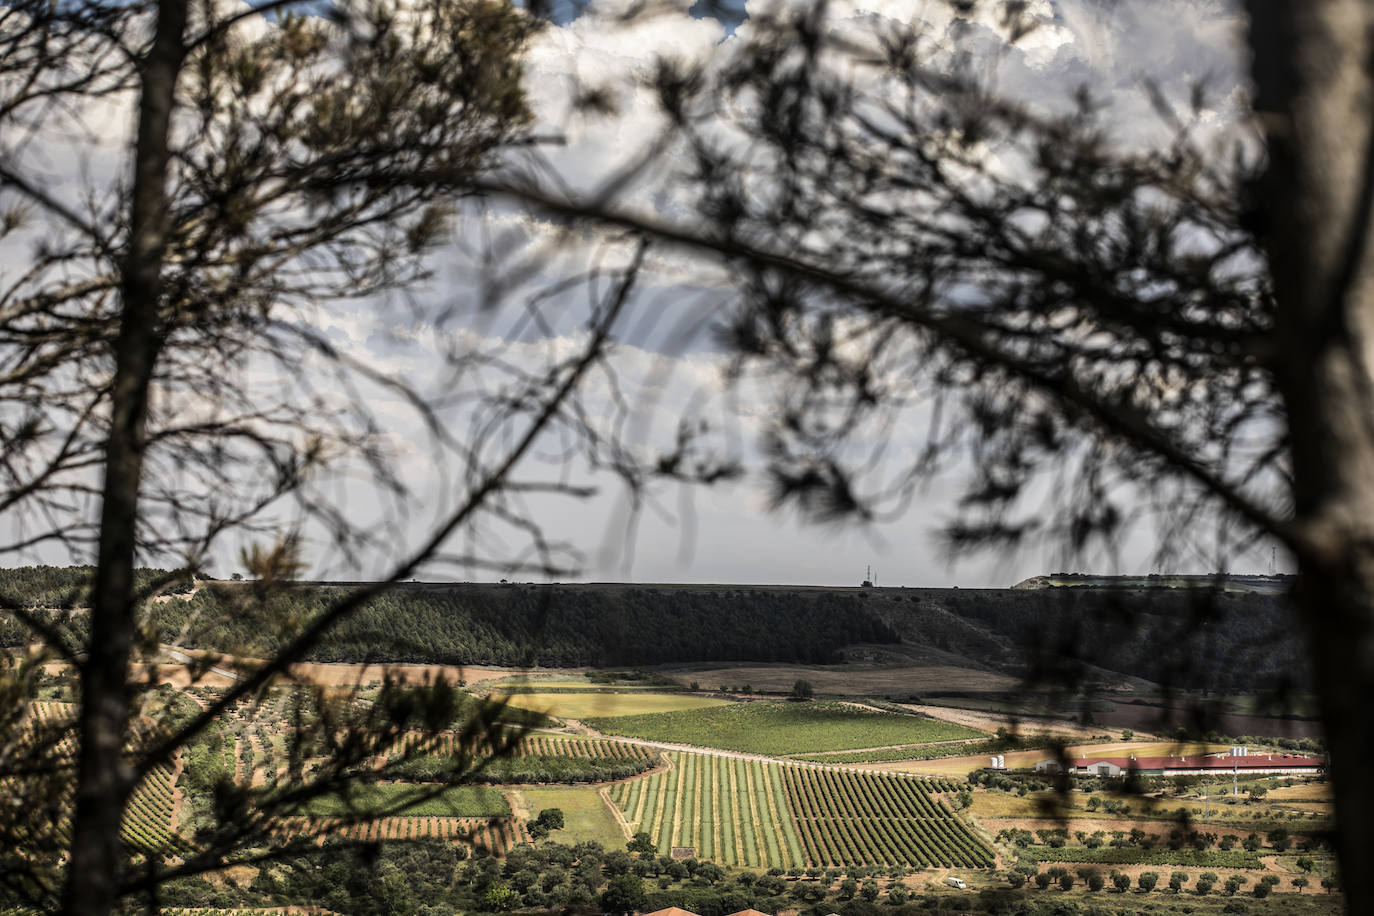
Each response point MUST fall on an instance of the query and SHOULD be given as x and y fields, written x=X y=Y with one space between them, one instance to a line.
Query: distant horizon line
x=1143 y=577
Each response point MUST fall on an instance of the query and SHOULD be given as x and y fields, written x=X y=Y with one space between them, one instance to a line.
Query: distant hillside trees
x=553 y=626
x=1250 y=642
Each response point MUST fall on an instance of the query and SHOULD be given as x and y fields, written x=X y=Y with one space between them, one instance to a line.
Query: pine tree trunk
x=103 y=774
x=1311 y=65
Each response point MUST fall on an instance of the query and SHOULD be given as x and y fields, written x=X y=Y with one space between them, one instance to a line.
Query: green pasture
x=585 y=815
x=781 y=728
x=570 y=705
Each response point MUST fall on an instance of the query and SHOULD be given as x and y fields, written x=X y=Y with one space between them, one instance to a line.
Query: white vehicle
x=956 y=882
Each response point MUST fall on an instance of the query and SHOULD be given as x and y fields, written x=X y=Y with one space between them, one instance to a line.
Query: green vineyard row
x=152 y=805
x=543 y=746
x=497 y=834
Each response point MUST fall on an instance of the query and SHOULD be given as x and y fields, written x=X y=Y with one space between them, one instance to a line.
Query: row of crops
x=540 y=746
x=540 y=760
x=551 y=746
x=730 y=810
x=851 y=818
x=496 y=834
x=151 y=813
x=764 y=814
x=148 y=822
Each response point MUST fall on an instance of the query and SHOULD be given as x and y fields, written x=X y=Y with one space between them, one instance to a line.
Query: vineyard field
x=148 y=822
x=732 y=811
x=851 y=818
x=539 y=760
x=541 y=745
x=923 y=751
x=760 y=814
x=780 y=729
x=152 y=812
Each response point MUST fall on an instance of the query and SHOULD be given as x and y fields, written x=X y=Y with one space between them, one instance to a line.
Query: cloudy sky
x=666 y=364
x=726 y=534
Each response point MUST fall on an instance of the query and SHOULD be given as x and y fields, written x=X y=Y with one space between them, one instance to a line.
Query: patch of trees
x=549 y=820
x=431 y=877
x=555 y=626
x=434 y=878
x=1114 y=629
x=493 y=624
x=67 y=587
x=1216 y=640
x=208 y=760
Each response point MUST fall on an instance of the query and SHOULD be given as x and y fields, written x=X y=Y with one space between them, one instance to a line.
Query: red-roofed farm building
x=1198 y=765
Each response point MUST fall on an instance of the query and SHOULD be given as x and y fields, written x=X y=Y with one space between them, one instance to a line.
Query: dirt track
x=605 y=793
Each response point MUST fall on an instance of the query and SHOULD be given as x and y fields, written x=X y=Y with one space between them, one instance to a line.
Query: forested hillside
x=1189 y=638
x=515 y=624
x=1184 y=637
x=66 y=586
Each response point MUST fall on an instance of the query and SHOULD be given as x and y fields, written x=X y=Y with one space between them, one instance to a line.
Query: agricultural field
x=546 y=744
x=961 y=749
x=848 y=818
x=1201 y=832
x=845 y=810
x=896 y=677
x=587 y=815
x=764 y=815
x=566 y=704
x=453 y=801
x=756 y=784
x=154 y=808
x=540 y=759
x=575 y=685
x=495 y=834
x=782 y=728
x=733 y=811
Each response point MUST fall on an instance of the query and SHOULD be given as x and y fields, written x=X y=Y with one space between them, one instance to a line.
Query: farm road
x=179 y=656
x=605 y=793
x=578 y=728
